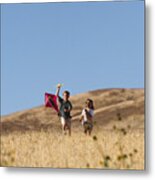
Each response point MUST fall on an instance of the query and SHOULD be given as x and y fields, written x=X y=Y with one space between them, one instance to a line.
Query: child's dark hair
x=91 y=103
x=67 y=92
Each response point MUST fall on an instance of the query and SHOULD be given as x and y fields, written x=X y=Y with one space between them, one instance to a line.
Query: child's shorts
x=66 y=122
x=87 y=126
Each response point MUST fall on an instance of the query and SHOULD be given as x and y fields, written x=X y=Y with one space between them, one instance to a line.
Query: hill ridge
x=108 y=103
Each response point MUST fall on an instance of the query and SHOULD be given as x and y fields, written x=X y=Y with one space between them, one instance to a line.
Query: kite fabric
x=51 y=101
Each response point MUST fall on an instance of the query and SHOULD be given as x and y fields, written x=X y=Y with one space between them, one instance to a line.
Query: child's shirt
x=90 y=111
x=64 y=105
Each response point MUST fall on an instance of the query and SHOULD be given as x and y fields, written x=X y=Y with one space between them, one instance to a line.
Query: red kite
x=51 y=101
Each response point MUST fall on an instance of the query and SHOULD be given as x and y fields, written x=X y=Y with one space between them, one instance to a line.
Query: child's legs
x=90 y=132
x=68 y=125
x=85 y=125
x=69 y=131
x=63 y=123
x=90 y=129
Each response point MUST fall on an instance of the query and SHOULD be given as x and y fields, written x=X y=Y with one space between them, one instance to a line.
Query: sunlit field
x=104 y=149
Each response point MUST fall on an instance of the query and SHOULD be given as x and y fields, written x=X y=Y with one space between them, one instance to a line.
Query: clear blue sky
x=85 y=45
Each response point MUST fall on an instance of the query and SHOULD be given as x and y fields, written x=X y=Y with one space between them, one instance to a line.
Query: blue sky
x=84 y=45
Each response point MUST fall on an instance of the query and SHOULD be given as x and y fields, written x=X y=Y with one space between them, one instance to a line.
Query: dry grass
x=51 y=149
x=33 y=138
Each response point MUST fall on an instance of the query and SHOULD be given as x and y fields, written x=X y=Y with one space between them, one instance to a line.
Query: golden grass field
x=33 y=138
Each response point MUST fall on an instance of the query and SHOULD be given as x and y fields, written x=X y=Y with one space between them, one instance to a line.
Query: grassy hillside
x=33 y=138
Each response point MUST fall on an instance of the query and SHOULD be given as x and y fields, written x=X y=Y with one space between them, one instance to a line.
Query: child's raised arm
x=58 y=89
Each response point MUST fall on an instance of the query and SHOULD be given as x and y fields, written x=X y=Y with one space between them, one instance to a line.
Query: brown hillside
x=109 y=103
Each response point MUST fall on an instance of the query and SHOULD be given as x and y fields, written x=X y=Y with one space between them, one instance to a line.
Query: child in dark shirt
x=64 y=110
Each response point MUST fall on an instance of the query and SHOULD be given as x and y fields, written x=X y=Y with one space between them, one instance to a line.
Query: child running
x=87 y=117
x=64 y=110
